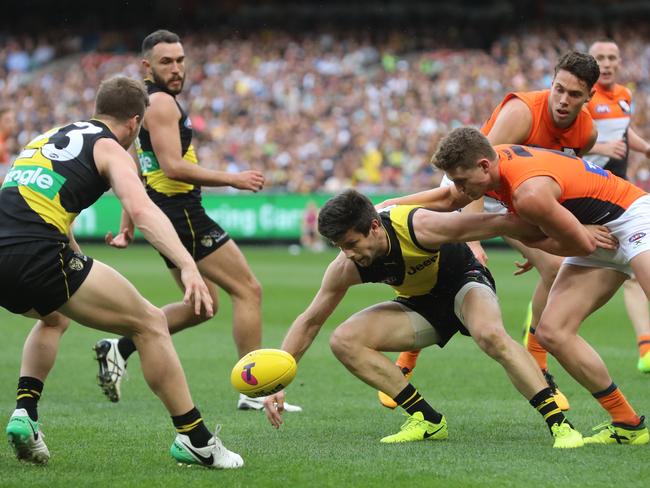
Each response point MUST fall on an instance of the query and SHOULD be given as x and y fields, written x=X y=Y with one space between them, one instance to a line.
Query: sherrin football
x=263 y=372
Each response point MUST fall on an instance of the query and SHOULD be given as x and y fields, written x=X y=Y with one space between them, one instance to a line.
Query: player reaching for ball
x=441 y=289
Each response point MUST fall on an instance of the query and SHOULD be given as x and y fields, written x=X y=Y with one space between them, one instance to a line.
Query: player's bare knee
x=56 y=320
x=344 y=343
x=151 y=321
x=550 y=338
x=493 y=340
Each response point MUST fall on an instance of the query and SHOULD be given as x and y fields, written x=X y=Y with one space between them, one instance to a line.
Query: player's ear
x=484 y=164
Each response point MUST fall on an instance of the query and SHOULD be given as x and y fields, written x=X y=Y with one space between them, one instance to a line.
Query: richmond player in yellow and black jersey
x=441 y=289
x=56 y=176
x=174 y=179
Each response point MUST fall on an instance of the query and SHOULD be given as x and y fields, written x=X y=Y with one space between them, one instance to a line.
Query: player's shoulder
x=162 y=105
x=622 y=92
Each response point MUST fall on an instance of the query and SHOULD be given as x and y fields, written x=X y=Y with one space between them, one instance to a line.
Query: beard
x=164 y=84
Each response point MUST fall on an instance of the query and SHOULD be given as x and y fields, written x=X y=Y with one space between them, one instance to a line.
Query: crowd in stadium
x=316 y=112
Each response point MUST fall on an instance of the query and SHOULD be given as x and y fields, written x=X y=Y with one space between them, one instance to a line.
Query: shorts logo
x=247 y=376
x=37 y=178
x=636 y=237
x=206 y=241
x=76 y=264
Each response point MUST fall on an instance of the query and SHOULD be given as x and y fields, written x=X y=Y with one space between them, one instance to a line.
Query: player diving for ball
x=441 y=289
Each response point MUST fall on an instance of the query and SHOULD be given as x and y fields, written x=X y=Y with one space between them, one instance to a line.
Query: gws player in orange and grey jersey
x=46 y=276
x=571 y=200
x=611 y=109
x=555 y=118
x=173 y=179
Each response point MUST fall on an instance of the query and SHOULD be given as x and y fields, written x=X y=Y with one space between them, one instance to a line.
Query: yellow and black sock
x=27 y=395
x=191 y=424
x=126 y=347
x=545 y=404
x=411 y=401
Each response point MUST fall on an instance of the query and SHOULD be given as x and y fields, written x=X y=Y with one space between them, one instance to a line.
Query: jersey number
x=55 y=151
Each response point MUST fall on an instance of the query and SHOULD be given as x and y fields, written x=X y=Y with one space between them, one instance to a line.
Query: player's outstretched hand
x=604 y=239
x=385 y=203
x=196 y=291
x=273 y=407
x=252 y=180
x=121 y=240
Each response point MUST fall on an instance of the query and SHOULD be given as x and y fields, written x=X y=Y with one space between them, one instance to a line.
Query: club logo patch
x=602 y=109
x=206 y=241
x=76 y=264
x=247 y=375
x=625 y=107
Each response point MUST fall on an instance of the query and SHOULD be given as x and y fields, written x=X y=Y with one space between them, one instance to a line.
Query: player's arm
x=591 y=143
x=513 y=124
x=435 y=228
x=536 y=201
x=114 y=164
x=637 y=143
x=340 y=275
x=162 y=123
x=125 y=235
x=441 y=199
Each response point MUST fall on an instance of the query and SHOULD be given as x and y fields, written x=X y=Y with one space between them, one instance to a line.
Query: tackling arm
x=536 y=200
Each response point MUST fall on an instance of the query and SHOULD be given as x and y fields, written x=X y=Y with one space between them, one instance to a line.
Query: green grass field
x=496 y=438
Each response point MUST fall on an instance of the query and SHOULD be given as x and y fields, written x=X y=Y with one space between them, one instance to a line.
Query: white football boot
x=249 y=403
x=112 y=368
x=214 y=455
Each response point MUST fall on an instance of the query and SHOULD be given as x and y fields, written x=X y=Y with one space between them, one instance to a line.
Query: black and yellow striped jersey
x=158 y=184
x=410 y=268
x=50 y=182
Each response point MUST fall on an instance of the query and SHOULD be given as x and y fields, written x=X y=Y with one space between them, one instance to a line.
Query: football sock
x=191 y=424
x=612 y=400
x=644 y=344
x=126 y=347
x=411 y=401
x=544 y=403
x=537 y=351
x=407 y=359
x=27 y=395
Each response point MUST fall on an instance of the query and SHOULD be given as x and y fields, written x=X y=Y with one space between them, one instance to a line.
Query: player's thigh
x=547 y=264
x=108 y=301
x=388 y=326
x=641 y=266
x=577 y=292
x=228 y=268
x=480 y=311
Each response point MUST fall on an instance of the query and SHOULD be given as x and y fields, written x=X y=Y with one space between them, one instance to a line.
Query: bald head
x=608 y=58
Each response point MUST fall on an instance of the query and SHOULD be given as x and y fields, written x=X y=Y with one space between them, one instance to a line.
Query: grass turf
x=496 y=438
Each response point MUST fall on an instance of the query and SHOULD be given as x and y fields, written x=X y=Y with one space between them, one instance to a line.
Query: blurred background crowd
x=315 y=111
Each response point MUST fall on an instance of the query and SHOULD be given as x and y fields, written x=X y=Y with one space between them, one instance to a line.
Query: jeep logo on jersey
x=420 y=266
x=37 y=178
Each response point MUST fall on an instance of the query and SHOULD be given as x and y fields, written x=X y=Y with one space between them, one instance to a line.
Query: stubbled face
x=363 y=250
x=473 y=182
x=568 y=95
x=609 y=61
x=165 y=65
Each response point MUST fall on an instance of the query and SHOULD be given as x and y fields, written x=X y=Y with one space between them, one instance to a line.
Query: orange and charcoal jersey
x=611 y=111
x=543 y=132
x=592 y=194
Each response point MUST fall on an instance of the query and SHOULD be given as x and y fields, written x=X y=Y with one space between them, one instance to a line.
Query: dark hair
x=349 y=210
x=462 y=147
x=121 y=97
x=161 y=35
x=581 y=65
